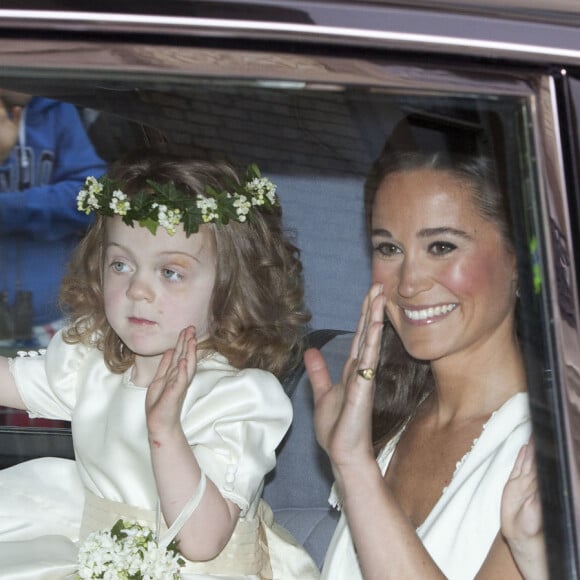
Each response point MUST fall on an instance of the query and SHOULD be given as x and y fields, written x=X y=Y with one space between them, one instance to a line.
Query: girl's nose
x=139 y=289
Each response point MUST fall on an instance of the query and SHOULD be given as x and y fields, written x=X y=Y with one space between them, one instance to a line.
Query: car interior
x=314 y=123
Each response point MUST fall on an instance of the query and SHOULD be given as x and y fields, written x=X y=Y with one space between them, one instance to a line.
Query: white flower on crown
x=242 y=206
x=120 y=203
x=208 y=207
x=88 y=195
x=261 y=187
x=93 y=185
x=167 y=218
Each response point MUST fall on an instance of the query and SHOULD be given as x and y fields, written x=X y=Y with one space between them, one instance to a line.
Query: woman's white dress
x=233 y=419
x=460 y=529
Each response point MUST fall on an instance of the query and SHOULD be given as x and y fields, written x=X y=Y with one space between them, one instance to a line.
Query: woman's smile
x=430 y=314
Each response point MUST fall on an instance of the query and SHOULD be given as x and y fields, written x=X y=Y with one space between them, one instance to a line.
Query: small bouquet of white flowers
x=128 y=551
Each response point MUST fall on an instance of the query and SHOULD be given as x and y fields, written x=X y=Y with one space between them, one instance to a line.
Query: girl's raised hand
x=343 y=412
x=166 y=393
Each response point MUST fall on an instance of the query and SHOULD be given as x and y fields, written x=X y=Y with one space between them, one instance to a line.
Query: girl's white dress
x=233 y=419
x=460 y=529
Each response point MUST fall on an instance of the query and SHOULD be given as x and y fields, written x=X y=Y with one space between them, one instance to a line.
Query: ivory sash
x=246 y=554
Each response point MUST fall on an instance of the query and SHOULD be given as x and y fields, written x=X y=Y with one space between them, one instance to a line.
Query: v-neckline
x=391 y=447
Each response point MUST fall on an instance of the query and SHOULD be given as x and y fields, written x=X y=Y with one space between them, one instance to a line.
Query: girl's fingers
x=178 y=351
x=181 y=380
x=187 y=362
x=183 y=348
x=189 y=353
x=164 y=364
x=159 y=380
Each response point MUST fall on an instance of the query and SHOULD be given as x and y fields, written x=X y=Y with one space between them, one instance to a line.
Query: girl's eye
x=119 y=267
x=441 y=248
x=386 y=249
x=170 y=274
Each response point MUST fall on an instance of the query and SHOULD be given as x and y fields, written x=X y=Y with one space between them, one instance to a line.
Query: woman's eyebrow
x=382 y=233
x=431 y=232
x=425 y=233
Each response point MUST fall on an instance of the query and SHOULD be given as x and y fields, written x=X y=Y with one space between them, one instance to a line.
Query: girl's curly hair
x=257 y=313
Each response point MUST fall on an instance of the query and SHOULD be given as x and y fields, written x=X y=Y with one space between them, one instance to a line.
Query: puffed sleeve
x=46 y=380
x=234 y=420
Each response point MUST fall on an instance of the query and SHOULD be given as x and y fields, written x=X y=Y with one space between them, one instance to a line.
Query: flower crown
x=167 y=206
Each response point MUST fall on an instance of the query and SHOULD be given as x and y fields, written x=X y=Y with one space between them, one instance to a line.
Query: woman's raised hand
x=343 y=412
x=521 y=516
x=166 y=393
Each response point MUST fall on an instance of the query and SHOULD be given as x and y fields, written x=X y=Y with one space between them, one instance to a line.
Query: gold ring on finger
x=367 y=374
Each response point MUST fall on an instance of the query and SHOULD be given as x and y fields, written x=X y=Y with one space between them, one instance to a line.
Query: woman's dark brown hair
x=257 y=313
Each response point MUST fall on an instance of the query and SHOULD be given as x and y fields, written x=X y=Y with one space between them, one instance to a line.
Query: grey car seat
x=298 y=488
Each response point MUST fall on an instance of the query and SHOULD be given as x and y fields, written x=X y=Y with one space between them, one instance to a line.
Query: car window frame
x=538 y=86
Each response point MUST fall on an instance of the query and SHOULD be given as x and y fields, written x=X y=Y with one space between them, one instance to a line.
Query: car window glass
x=316 y=141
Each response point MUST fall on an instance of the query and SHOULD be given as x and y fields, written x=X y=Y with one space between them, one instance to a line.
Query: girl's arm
x=176 y=470
x=9 y=395
x=385 y=540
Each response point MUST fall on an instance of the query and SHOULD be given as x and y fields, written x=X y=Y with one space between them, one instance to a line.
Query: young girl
x=185 y=300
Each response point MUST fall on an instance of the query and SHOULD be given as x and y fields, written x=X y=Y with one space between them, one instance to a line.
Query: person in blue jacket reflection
x=45 y=155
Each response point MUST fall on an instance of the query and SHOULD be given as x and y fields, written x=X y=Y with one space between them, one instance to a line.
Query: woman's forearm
x=386 y=542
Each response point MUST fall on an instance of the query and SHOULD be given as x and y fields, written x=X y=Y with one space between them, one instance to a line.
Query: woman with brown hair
x=425 y=426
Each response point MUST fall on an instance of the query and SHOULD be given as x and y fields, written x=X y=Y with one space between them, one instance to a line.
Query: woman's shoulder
x=513 y=413
x=503 y=435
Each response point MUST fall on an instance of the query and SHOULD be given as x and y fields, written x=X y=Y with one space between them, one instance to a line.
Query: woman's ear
x=516 y=283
